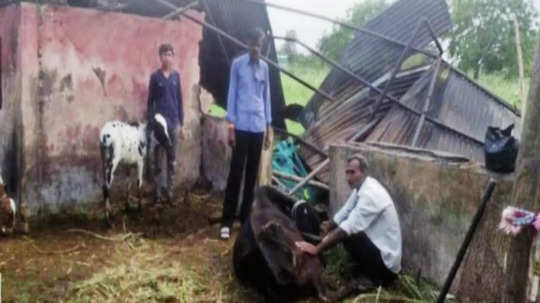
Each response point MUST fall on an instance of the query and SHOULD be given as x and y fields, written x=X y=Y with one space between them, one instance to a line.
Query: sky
x=308 y=29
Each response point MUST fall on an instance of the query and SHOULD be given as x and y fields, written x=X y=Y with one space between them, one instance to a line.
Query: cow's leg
x=107 y=167
x=128 y=190
x=107 y=203
x=110 y=168
x=140 y=170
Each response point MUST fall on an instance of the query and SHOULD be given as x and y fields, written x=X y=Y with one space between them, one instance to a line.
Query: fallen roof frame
x=341 y=23
x=389 y=97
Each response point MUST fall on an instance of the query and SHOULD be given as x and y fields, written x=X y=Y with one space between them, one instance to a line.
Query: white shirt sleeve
x=346 y=208
x=362 y=215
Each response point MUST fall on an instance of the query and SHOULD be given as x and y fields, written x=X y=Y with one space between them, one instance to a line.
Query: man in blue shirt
x=248 y=116
x=165 y=98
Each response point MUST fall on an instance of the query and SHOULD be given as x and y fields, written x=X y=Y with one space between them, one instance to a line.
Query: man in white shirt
x=368 y=226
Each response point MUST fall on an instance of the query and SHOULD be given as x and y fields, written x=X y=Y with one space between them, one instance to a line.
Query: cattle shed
x=67 y=67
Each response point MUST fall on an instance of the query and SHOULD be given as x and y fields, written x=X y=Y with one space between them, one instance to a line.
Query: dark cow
x=265 y=254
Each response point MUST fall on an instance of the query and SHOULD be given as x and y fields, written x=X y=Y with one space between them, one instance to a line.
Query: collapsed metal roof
x=434 y=106
x=371 y=56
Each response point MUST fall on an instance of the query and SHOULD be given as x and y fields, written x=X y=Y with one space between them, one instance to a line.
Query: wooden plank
x=264 y=176
x=299 y=179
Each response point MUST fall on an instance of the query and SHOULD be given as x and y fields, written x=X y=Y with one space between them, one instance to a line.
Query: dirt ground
x=164 y=254
x=78 y=259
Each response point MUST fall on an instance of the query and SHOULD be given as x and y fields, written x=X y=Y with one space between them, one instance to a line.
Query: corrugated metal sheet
x=235 y=17
x=457 y=103
x=371 y=57
x=459 y=111
x=346 y=120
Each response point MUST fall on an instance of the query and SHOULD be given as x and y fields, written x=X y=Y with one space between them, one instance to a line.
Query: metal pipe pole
x=341 y=23
x=396 y=69
x=179 y=10
x=427 y=101
x=335 y=64
x=323 y=94
x=299 y=179
x=434 y=37
x=382 y=93
x=264 y=58
x=220 y=40
x=321 y=166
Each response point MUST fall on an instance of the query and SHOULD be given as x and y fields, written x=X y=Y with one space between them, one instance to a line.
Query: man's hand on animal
x=325 y=227
x=307 y=247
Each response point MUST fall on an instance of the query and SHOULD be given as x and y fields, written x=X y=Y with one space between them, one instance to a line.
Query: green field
x=507 y=89
x=297 y=93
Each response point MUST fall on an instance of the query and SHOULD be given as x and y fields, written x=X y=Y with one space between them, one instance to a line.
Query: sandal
x=225 y=233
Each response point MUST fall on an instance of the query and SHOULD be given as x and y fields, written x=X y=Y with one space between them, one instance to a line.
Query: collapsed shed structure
x=410 y=95
x=392 y=85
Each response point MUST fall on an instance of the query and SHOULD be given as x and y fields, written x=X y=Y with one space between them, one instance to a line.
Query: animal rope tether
x=514 y=219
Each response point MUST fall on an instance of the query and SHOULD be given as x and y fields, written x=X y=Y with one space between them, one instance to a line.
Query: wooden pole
x=518 y=287
x=520 y=67
x=427 y=102
x=300 y=179
x=364 y=130
x=264 y=177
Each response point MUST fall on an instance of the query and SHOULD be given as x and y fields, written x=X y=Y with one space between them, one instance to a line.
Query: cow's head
x=7 y=210
x=158 y=126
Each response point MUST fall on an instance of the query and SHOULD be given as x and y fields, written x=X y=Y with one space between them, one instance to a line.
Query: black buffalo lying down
x=265 y=255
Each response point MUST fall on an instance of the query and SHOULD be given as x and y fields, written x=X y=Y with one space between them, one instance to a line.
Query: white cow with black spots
x=128 y=143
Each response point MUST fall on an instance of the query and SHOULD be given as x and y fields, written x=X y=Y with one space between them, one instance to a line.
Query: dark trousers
x=160 y=153
x=367 y=259
x=246 y=155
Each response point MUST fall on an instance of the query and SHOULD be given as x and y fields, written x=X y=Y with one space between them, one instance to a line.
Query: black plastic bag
x=500 y=149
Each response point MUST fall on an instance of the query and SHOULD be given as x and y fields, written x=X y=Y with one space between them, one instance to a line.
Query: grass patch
x=507 y=89
x=151 y=271
x=295 y=92
x=405 y=289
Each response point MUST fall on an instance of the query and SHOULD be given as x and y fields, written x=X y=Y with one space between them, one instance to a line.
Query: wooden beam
x=522 y=100
x=427 y=102
x=264 y=58
x=364 y=130
x=299 y=179
x=341 y=23
x=180 y=10
x=522 y=277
